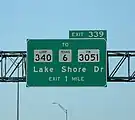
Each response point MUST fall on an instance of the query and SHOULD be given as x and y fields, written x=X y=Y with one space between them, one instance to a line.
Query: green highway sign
x=66 y=62
x=91 y=34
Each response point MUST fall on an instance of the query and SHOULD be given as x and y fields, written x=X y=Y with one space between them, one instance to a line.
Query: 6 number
x=65 y=57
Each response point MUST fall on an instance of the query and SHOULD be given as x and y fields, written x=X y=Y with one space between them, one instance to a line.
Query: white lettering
x=96 y=68
x=72 y=69
x=54 y=78
x=101 y=69
x=65 y=44
x=78 y=79
x=43 y=69
x=51 y=69
x=63 y=69
x=73 y=33
x=35 y=70
x=66 y=78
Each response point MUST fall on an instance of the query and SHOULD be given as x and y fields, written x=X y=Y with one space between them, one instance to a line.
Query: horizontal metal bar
x=115 y=51
x=12 y=79
x=12 y=55
x=110 y=54
x=120 y=55
x=121 y=78
x=110 y=79
x=13 y=51
x=110 y=51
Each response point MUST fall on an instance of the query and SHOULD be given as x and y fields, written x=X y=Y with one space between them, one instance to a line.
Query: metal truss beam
x=11 y=61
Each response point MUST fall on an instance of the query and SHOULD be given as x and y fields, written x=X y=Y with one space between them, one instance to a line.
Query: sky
x=23 y=19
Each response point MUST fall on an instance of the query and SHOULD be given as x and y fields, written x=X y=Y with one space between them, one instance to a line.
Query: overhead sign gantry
x=68 y=62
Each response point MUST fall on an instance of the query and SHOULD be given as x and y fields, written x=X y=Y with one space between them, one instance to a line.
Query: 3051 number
x=88 y=56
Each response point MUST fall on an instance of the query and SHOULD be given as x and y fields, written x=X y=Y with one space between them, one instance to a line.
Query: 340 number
x=43 y=57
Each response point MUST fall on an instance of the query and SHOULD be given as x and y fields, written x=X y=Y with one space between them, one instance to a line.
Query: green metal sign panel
x=66 y=62
x=91 y=34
